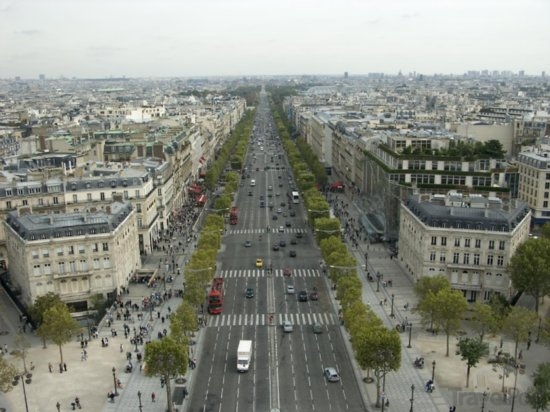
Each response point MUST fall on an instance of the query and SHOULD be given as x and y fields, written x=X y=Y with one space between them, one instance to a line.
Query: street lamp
x=139 y=397
x=412 y=398
x=23 y=377
x=378 y=277
x=515 y=387
x=483 y=401
x=410 y=334
x=433 y=371
x=114 y=381
x=392 y=315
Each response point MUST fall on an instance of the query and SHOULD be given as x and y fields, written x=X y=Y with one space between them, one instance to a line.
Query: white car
x=287 y=326
x=331 y=375
x=281 y=229
x=290 y=289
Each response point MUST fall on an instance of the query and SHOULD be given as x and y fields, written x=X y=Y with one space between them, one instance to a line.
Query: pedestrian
x=121 y=348
x=153 y=397
x=58 y=406
x=77 y=403
x=64 y=366
x=50 y=367
x=60 y=368
x=528 y=343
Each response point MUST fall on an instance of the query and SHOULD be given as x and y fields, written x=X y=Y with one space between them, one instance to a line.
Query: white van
x=252 y=182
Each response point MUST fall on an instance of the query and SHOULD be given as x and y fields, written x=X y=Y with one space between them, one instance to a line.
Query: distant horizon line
x=414 y=74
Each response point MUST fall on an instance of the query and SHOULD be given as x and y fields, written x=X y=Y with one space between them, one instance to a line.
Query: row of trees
x=377 y=348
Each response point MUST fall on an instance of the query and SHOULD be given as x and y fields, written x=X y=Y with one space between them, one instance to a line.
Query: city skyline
x=168 y=38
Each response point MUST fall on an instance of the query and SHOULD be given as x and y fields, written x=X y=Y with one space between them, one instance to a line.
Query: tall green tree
x=472 y=350
x=166 y=359
x=379 y=349
x=484 y=319
x=446 y=308
x=539 y=395
x=183 y=321
x=518 y=324
x=58 y=326
x=39 y=307
x=529 y=268
x=431 y=284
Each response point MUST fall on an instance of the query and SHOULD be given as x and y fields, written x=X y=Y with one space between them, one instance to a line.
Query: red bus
x=215 y=297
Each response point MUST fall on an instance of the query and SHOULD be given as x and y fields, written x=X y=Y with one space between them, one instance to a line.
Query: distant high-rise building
x=345 y=75
x=17 y=78
x=521 y=73
x=42 y=77
x=543 y=74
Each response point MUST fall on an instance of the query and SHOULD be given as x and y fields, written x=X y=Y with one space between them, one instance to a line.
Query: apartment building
x=534 y=181
x=75 y=255
x=469 y=239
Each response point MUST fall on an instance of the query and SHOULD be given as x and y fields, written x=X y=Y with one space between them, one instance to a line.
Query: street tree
x=448 y=307
x=58 y=326
x=379 y=349
x=332 y=244
x=166 y=359
x=432 y=284
x=194 y=290
x=484 y=319
x=539 y=395
x=472 y=350
x=7 y=372
x=529 y=268
x=39 y=307
x=183 y=321
x=348 y=289
x=518 y=325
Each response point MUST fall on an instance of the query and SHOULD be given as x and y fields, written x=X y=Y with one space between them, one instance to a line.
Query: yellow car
x=259 y=263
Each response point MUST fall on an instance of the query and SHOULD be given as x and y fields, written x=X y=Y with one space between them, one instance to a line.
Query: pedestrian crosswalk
x=261 y=273
x=263 y=231
x=298 y=319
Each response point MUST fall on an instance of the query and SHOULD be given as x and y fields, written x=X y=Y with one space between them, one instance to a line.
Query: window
x=40 y=202
x=500 y=260
x=72 y=266
x=75 y=198
x=36 y=270
x=140 y=222
x=491 y=244
x=55 y=200
x=499 y=275
x=137 y=194
x=59 y=251
x=8 y=204
x=106 y=263
x=47 y=269
x=442 y=259
x=476 y=258
x=466 y=258
x=159 y=191
x=45 y=253
x=456 y=257
x=71 y=250
x=457 y=242
x=81 y=249
x=96 y=263
x=478 y=243
x=501 y=245
x=432 y=257
x=105 y=247
x=35 y=254
x=25 y=202
x=61 y=267
x=89 y=197
x=125 y=194
x=138 y=207
x=443 y=241
x=95 y=247
x=434 y=240
x=467 y=242
x=83 y=265
x=490 y=260
x=102 y=195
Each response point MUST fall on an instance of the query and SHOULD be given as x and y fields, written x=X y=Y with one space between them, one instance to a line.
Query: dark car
x=299 y=235
x=293 y=241
x=275 y=247
x=249 y=193
x=282 y=243
x=292 y=253
x=292 y=213
x=249 y=293
x=283 y=204
x=275 y=217
x=302 y=296
x=288 y=224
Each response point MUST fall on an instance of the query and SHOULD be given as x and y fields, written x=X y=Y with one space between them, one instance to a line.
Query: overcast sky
x=158 y=38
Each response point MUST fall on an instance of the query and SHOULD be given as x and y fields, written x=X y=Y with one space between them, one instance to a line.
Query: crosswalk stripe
x=298 y=319
x=252 y=273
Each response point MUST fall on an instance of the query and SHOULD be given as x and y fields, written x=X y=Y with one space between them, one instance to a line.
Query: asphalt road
x=286 y=372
